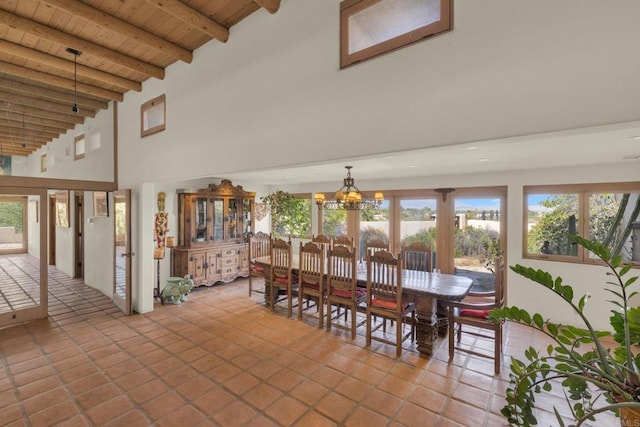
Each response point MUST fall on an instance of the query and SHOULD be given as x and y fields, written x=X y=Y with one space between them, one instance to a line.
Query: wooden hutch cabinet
x=213 y=223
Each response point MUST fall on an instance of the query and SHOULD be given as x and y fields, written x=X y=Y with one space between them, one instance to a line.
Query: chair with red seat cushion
x=342 y=286
x=259 y=246
x=281 y=276
x=384 y=299
x=473 y=312
x=311 y=280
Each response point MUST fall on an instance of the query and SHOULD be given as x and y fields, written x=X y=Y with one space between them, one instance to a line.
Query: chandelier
x=349 y=197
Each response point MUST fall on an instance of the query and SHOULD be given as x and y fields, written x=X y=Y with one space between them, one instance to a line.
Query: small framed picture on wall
x=100 y=203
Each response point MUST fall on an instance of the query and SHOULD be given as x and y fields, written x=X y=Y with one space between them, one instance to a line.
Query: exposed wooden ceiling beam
x=84 y=46
x=61 y=82
x=28 y=119
x=194 y=18
x=55 y=95
x=18 y=134
x=68 y=66
x=272 y=6
x=114 y=24
x=20 y=126
x=39 y=103
x=19 y=140
x=53 y=115
x=9 y=148
x=14 y=149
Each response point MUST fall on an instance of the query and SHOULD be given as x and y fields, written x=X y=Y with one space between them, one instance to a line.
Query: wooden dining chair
x=321 y=238
x=417 y=256
x=259 y=246
x=384 y=299
x=281 y=277
x=343 y=241
x=473 y=311
x=342 y=286
x=375 y=245
x=324 y=240
x=311 y=279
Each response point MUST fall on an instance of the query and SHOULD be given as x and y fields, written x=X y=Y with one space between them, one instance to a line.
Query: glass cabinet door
x=200 y=219
x=233 y=219
x=246 y=215
x=218 y=219
x=181 y=220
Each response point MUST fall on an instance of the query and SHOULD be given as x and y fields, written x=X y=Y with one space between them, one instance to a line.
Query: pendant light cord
x=75 y=80
x=75 y=54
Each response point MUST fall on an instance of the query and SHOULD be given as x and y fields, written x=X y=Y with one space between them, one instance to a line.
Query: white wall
x=33 y=237
x=98 y=247
x=65 y=243
x=97 y=164
x=274 y=96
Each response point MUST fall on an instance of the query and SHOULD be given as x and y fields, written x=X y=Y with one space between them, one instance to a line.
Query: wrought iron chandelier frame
x=349 y=197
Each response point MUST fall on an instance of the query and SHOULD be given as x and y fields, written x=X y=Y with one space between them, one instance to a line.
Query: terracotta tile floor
x=223 y=359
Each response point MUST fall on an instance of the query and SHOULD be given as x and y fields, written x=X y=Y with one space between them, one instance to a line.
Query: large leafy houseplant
x=596 y=379
x=290 y=215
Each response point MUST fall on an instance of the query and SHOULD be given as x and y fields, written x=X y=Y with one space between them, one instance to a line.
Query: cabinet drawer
x=230 y=270
x=226 y=262
x=228 y=253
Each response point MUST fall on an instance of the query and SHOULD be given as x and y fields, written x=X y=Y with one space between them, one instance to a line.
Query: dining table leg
x=426 y=324
x=442 y=318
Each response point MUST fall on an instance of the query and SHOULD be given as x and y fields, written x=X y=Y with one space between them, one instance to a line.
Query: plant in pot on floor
x=595 y=378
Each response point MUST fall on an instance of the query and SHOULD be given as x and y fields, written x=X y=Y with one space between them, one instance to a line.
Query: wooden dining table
x=423 y=288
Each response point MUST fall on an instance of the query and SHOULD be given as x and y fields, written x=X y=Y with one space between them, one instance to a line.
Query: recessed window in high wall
x=79 y=147
x=372 y=27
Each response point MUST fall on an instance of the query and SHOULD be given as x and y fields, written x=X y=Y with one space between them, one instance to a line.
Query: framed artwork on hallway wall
x=100 y=203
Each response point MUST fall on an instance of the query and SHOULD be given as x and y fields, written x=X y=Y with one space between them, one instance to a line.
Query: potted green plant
x=600 y=378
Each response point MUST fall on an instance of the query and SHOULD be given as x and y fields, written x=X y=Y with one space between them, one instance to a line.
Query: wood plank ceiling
x=121 y=43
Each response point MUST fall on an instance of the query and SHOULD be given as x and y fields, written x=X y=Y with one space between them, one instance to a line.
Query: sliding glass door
x=478 y=236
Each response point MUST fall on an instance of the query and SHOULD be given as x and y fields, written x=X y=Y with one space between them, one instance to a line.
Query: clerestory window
x=372 y=27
